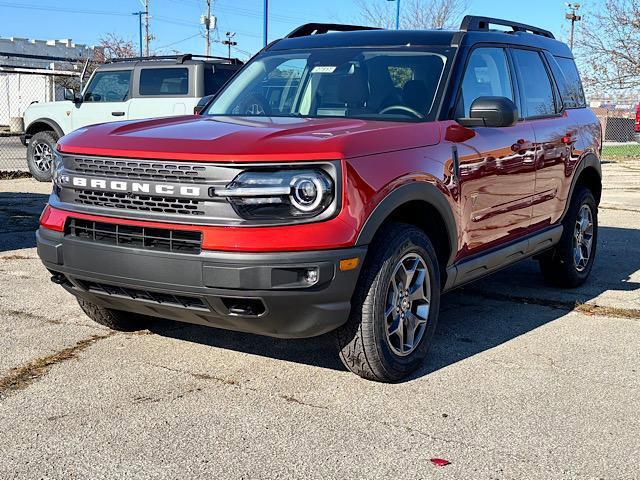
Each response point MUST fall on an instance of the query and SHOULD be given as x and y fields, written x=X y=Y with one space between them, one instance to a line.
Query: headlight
x=280 y=194
x=57 y=169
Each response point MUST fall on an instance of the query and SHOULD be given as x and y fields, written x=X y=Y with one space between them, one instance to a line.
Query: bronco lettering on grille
x=136 y=187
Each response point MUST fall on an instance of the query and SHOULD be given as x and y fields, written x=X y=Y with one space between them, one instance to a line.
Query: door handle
x=117 y=114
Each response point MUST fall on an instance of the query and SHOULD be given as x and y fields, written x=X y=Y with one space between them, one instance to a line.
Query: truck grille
x=145 y=295
x=177 y=241
x=140 y=169
x=148 y=203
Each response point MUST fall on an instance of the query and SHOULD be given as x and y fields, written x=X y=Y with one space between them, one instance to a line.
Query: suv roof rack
x=178 y=58
x=472 y=23
x=319 y=28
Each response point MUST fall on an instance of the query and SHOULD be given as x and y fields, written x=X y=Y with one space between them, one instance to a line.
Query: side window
x=487 y=75
x=215 y=76
x=164 y=81
x=108 y=86
x=400 y=75
x=568 y=78
x=281 y=85
x=536 y=92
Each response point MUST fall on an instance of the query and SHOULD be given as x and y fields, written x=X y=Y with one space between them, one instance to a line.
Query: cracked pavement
x=523 y=380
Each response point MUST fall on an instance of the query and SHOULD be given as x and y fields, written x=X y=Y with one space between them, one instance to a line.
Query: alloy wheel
x=408 y=304
x=583 y=238
x=42 y=156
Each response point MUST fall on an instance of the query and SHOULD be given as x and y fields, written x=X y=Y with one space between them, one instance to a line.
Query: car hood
x=238 y=139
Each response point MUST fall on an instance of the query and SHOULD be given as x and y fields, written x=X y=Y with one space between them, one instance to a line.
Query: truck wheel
x=40 y=155
x=570 y=262
x=394 y=308
x=114 y=319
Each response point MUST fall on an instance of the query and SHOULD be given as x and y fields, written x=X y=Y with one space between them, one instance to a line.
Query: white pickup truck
x=120 y=90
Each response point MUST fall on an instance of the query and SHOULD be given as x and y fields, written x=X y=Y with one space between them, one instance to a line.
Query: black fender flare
x=47 y=121
x=420 y=191
x=590 y=160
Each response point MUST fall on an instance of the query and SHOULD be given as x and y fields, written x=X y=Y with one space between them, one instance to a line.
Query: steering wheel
x=402 y=108
x=255 y=106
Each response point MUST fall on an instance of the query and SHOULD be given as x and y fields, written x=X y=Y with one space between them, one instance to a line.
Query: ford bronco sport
x=121 y=89
x=343 y=180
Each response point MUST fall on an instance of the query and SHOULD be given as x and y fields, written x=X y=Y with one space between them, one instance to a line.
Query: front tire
x=569 y=264
x=113 y=319
x=394 y=308
x=40 y=153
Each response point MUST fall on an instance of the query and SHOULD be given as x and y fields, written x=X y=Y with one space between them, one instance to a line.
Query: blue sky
x=175 y=23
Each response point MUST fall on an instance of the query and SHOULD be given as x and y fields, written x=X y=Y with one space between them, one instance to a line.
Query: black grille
x=146 y=203
x=140 y=169
x=194 y=303
x=177 y=241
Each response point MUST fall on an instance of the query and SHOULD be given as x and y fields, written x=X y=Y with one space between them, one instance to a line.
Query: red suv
x=343 y=180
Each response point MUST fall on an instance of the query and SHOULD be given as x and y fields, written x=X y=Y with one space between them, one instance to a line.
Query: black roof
x=473 y=30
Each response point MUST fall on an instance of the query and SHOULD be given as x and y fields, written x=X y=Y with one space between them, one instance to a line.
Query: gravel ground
x=520 y=383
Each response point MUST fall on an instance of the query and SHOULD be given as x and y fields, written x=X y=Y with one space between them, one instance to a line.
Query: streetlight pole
x=397 y=13
x=139 y=14
x=266 y=22
x=573 y=17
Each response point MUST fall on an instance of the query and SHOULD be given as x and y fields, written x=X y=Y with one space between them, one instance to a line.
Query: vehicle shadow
x=19 y=214
x=480 y=317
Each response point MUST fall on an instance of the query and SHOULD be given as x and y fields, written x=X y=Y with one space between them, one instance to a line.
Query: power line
x=63 y=10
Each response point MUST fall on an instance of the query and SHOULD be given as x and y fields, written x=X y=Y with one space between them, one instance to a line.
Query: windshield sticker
x=323 y=69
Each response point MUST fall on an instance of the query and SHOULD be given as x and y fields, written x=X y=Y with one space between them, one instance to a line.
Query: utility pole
x=229 y=41
x=207 y=28
x=397 y=13
x=266 y=22
x=573 y=17
x=146 y=28
x=139 y=14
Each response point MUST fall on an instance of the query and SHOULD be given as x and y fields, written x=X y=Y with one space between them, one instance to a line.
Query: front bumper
x=24 y=139
x=249 y=292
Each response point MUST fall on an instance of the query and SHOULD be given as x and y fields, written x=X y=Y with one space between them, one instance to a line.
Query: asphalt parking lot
x=523 y=381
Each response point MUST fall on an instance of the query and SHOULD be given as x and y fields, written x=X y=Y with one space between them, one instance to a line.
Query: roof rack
x=472 y=23
x=319 y=28
x=178 y=58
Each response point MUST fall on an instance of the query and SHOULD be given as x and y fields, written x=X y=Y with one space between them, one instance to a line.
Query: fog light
x=311 y=276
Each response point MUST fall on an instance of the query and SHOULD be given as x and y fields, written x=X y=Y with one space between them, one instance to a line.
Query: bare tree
x=414 y=14
x=608 y=47
x=111 y=46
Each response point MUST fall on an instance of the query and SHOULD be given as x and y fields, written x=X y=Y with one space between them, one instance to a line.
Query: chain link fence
x=621 y=139
x=18 y=89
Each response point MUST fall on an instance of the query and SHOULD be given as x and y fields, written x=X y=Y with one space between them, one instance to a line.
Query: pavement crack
x=21 y=377
x=292 y=399
x=22 y=315
x=585 y=308
x=16 y=256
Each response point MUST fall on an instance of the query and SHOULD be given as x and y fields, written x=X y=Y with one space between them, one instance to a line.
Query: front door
x=106 y=99
x=497 y=165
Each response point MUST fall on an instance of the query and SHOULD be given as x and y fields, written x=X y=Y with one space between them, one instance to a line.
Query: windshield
x=378 y=84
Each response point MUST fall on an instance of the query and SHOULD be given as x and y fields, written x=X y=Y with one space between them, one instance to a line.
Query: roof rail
x=178 y=58
x=472 y=23
x=319 y=28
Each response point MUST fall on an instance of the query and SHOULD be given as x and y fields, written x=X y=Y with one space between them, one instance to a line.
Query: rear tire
x=394 y=308
x=569 y=264
x=40 y=152
x=113 y=319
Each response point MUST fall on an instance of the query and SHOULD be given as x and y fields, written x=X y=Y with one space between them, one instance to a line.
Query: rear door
x=554 y=134
x=106 y=99
x=163 y=91
x=497 y=171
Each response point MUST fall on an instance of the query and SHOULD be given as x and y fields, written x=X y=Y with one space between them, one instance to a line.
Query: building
x=34 y=71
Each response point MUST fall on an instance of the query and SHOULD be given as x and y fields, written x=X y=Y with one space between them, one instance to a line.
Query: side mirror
x=69 y=94
x=204 y=101
x=491 y=112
